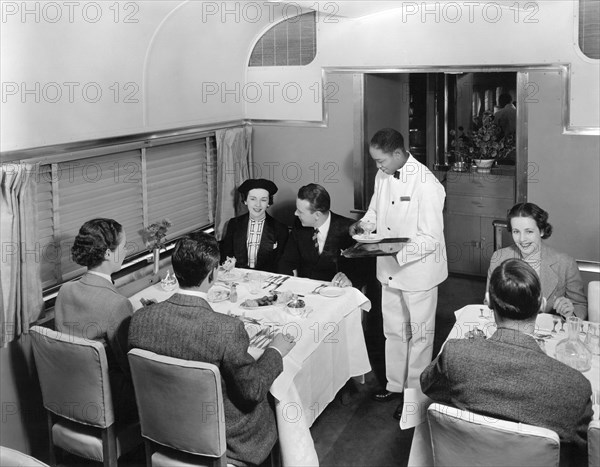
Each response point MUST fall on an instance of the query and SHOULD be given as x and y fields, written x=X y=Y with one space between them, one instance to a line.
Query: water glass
x=592 y=338
x=255 y=281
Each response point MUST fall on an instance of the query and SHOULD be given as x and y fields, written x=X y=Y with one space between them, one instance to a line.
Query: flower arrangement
x=487 y=142
x=154 y=234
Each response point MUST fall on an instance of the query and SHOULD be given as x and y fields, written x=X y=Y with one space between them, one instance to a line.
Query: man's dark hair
x=94 y=238
x=317 y=197
x=504 y=99
x=194 y=257
x=515 y=290
x=387 y=140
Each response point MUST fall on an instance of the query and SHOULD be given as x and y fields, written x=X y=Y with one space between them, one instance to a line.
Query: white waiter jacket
x=410 y=206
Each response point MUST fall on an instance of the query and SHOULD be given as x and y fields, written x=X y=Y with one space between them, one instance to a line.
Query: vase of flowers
x=484 y=146
x=154 y=237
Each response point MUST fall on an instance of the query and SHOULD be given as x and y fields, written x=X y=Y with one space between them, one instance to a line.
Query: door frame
x=526 y=94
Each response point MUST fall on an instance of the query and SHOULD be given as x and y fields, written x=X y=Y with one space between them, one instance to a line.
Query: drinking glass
x=254 y=282
x=592 y=338
x=368 y=227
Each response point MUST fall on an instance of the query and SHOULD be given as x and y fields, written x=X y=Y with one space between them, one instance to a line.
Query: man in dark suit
x=508 y=376
x=255 y=239
x=185 y=326
x=317 y=238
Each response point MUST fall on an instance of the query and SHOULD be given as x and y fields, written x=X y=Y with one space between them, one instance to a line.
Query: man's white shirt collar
x=193 y=293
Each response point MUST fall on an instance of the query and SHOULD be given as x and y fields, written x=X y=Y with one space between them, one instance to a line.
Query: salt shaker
x=233 y=293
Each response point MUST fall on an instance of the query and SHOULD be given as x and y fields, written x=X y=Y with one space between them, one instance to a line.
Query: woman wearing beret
x=561 y=282
x=255 y=239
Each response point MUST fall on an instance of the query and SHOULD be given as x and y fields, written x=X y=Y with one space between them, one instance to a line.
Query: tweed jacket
x=508 y=376
x=92 y=308
x=560 y=277
x=272 y=242
x=186 y=327
x=300 y=252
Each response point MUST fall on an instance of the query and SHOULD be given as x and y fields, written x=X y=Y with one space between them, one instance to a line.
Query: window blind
x=107 y=186
x=292 y=42
x=137 y=187
x=177 y=186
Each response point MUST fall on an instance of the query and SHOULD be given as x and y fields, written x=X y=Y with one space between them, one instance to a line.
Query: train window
x=135 y=187
x=589 y=28
x=288 y=43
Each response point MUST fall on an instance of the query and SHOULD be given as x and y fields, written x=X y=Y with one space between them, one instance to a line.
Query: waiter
x=407 y=202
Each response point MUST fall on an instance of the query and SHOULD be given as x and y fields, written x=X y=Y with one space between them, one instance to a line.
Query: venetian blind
x=107 y=186
x=589 y=28
x=134 y=187
x=177 y=186
x=291 y=42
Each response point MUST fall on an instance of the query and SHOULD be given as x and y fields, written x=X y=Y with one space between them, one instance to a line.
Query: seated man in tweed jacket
x=509 y=376
x=185 y=326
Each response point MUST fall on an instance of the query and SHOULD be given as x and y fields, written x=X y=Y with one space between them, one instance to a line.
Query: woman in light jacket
x=92 y=308
x=561 y=282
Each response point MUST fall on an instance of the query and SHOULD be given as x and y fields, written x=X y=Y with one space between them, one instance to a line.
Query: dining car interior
x=300 y=233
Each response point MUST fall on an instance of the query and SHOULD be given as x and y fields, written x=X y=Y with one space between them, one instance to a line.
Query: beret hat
x=253 y=183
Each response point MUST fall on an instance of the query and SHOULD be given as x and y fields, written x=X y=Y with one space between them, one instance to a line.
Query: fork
x=271 y=280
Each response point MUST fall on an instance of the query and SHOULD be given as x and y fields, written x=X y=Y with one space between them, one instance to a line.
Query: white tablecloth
x=330 y=349
x=467 y=319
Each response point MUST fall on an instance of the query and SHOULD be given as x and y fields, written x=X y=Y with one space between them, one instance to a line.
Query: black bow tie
x=397 y=175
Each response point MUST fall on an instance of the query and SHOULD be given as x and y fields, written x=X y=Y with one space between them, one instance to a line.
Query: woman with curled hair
x=92 y=308
x=562 y=286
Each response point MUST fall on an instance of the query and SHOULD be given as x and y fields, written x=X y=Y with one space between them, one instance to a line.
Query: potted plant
x=154 y=237
x=486 y=145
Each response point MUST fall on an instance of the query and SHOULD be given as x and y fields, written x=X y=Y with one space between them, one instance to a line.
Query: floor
x=353 y=430
x=356 y=431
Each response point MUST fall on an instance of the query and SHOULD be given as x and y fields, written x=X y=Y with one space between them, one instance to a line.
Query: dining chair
x=181 y=410
x=594 y=443
x=459 y=437
x=73 y=374
x=13 y=458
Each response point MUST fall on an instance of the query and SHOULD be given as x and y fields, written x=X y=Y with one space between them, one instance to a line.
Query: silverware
x=320 y=286
x=283 y=279
x=271 y=280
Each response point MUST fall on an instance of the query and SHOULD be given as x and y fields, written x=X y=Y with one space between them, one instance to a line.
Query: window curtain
x=20 y=282
x=233 y=167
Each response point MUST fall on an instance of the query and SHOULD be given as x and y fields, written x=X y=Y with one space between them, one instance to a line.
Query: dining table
x=330 y=346
x=474 y=319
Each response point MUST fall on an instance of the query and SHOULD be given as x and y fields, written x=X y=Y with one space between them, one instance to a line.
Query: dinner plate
x=218 y=294
x=229 y=276
x=373 y=238
x=332 y=291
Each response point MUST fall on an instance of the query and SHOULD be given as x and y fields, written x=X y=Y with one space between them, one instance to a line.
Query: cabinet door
x=463 y=234
x=487 y=243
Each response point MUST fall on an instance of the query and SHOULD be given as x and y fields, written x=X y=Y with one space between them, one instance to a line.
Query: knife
x=281 y=282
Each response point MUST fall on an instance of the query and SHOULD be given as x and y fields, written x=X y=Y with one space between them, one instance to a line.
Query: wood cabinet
x=473 y=201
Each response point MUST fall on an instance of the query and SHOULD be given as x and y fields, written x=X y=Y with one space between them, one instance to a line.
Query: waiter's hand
x=564 y=307
x=341 y=280
x=355 y=229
